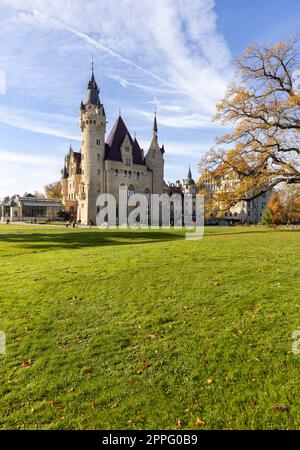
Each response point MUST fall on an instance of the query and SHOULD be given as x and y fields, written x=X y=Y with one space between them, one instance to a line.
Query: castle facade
x=105 y=164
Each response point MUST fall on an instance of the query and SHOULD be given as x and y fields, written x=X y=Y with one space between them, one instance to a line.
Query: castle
x=106 y=165
x=103 y=165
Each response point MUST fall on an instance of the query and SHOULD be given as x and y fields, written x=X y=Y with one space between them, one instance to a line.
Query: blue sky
x=172 y=55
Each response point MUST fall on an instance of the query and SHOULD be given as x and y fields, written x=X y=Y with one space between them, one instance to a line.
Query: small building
x=29 y=208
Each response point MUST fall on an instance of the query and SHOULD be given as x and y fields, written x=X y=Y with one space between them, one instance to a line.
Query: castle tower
x=155 y=161
x=64 y=179
x=189 y=186
x=93 y=127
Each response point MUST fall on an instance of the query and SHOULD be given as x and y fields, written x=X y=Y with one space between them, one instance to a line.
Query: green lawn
x=140 y=330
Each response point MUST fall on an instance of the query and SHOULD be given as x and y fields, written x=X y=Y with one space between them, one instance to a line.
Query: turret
x=189 y=185
x=155 y=160
x=93 y=127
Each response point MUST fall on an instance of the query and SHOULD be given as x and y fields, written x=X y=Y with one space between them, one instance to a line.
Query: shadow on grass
x=77 y=239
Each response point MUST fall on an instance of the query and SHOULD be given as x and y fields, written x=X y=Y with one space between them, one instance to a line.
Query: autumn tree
x=38 y=194
x=290 y=199
x=262 y=107
x=53 y=190
x=275 y=211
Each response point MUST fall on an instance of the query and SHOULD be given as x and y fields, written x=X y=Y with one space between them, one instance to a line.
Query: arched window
x=130 y=191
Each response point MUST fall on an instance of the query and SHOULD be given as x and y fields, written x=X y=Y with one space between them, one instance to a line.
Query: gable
x=115 y=140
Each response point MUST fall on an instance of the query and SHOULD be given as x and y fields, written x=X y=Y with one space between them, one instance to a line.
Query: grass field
x=145 y=330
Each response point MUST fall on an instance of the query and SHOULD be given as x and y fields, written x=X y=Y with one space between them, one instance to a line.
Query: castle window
x=130 y=191
x=154 y=153
x=98 y=172
x=126 y=149
x=116 y=172
x=98 y=156
x=137 y=175
x=98 y=142
x=127 y=162
x=94 y=122
x=124 y=173
x=98 y=188
x=129 y=174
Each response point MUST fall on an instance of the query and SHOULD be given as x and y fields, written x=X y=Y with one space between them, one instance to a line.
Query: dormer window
x=127 y=162
x=127 y=149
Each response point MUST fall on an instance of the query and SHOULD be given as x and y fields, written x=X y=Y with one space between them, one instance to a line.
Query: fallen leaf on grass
x=147 y=364
x=179 y=423
x=151 y=336
x=198 y=421
x=55 y=405
x=209 y=381
x=87 y=371
x=254 y=405
x=280 y=408
x=27 y=363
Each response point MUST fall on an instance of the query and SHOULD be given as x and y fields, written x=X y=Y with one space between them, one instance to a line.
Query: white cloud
x=22 y=172
x=172 y=42
x=30 y=159
x=39 y=122
x=166 y=53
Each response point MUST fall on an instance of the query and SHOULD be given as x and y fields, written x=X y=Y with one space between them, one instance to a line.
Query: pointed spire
x=93 y=90
x=189 y=173
x=155 y=129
